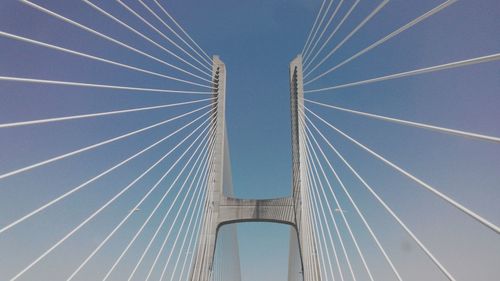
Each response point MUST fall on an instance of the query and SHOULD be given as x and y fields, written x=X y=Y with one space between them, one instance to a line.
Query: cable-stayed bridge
x=156 y=202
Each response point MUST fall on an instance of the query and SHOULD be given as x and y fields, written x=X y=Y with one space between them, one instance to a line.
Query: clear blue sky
x=257 y=39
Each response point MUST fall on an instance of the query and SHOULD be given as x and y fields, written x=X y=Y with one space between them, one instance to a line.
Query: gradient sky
x=257 y=39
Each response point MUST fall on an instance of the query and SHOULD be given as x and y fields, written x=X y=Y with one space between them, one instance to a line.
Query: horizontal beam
x=233 y=210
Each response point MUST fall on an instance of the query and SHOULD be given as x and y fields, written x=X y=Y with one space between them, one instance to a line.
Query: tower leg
x=204 y=258
x=306 y=243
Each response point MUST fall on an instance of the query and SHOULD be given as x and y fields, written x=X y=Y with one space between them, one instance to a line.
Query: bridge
x=174 y=218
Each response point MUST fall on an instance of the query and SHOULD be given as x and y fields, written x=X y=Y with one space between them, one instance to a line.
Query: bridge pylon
x=224 y=209
x=303 y=242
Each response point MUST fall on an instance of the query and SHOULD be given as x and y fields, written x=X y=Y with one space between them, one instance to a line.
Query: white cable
x=73 y=190
x=305 y=238
x=103 y=86
x=358 y=27
x=202 y=228
x=190 y=250
x=389 y=210
x=209 y=222
x=304 y=222
x=339 y=25
x=136 y=235
x=200 y=252
x=313 y=38
x=182 y=29
x=332 y=16
x=182 y=223
x=154 y=237
x=316 y=231
x=203 y=252
x=109 y=38
x=74 y=230
x=199 y=189
x=198 y=218
x=414 y=124
x=161 y=34
x=174 y=32
x=313 y=27
x=169 y=232
x=392 y=34
x=316 y=215
x=96 y=58
x=330 y=264
x=104 y=12
x=310 y=226
x=358 y=211
x=338 y=205
x=483 y=59
x=441 y=195
x=335 y=225
x=78 y=151
x=99 y=114
x=117 y=227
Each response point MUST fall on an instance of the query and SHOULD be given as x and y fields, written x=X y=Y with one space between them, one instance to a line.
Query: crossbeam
x=233 y=210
